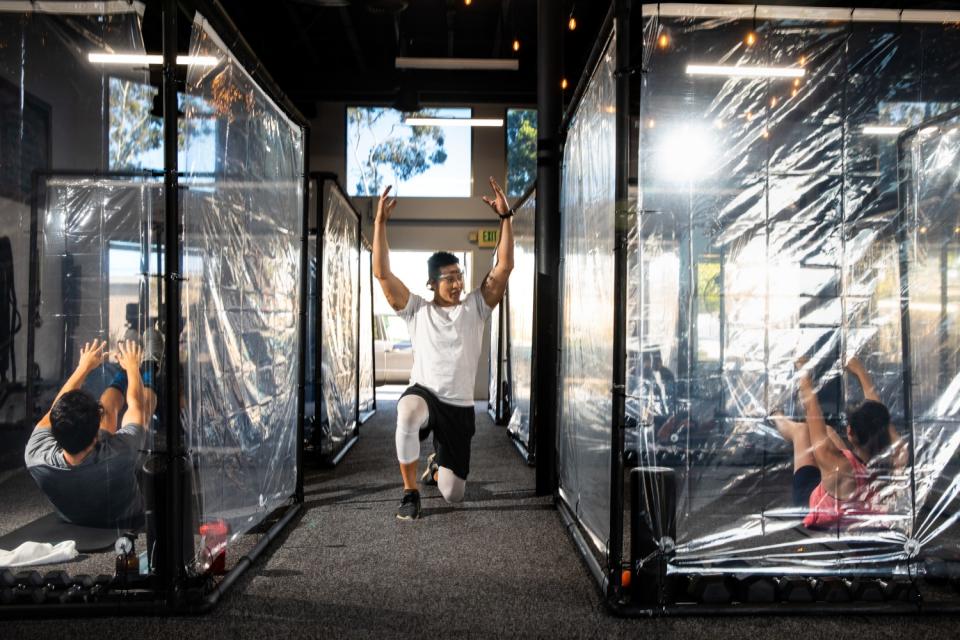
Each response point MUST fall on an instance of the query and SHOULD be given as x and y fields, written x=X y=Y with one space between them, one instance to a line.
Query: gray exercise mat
x=51 y=529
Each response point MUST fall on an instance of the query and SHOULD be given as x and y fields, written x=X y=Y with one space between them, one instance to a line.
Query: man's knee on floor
x=451 y=487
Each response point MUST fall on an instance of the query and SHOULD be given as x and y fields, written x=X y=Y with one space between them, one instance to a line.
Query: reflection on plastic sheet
x=339 y=290
x=241 y=306
x=520 y=318
x=587 y=243
x=768 y=230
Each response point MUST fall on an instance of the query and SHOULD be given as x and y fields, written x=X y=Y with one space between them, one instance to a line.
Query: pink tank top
x=828 y=512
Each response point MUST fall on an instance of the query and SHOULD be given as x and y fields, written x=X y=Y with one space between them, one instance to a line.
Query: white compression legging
x=412 y=414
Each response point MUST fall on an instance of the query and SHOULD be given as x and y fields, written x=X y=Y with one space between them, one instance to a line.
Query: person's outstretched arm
x=825 y=451
x=901 y=455
x=856 y=367
x=495 y=284
x=92 y=355
x=129 y=356
x=394 y=290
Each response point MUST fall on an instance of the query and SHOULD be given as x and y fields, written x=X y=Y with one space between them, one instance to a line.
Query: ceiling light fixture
x=516 y=45
x=453 y=122
x=459 y=64
x=149 y=58
x=744 y=71
x=882 y=130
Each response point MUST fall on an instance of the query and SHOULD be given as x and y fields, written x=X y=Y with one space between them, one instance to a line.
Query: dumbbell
x=795 y=589
x=757 y=589
x=712 y=589
x=900 y=589
x=7 y=584
x=28 y=579
x=866 y=590
x=833 y=589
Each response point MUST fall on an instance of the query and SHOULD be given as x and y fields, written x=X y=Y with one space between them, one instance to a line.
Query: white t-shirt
x=446 y=345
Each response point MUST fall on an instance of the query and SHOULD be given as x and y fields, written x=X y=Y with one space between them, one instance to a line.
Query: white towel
x=31 y=553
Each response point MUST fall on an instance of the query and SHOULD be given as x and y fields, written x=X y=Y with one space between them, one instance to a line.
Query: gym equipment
x=51 y=529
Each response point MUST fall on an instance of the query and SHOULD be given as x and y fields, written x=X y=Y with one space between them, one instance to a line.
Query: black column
x=547 y=251
x=174 y=517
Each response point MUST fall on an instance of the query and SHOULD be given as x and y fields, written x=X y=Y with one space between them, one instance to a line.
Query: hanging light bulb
x=468 y=2
x=794 y=92
x=751 y=39
x=663 y=41
x=516 y=45
x=572 y=23
x=563 y=83
x=803 y=61
x=773 y=102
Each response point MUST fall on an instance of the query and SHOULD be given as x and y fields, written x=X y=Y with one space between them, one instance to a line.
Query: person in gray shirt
x=78 y=457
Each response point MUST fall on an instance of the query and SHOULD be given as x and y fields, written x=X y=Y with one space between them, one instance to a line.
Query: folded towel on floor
x=31 y=553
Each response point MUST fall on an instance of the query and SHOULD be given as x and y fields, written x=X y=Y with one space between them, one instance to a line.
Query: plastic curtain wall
x=930 y=279
x=339 y=298
x=368 y=401
x=587 y=280
x=768 y=232
x=241 y=264
x=520 y=319
x=56 y=137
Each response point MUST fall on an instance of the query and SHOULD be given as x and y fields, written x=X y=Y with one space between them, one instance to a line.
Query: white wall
x=328 y=153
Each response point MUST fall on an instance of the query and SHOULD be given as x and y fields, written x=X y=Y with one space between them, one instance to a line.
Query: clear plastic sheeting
x=587 y=202
x=520 y=318
x=339 y=299
x=368 y=401
x=96 y=273
x=241 y=214
x=768 y=230
x=930 y=161
x=52 y=127
x=496 y=360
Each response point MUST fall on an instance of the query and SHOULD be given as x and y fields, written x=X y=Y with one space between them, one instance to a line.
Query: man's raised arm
x=395 y=291
x=495 y=284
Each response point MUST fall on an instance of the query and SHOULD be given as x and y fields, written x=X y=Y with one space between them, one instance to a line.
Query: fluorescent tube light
x=454 y=122
x=459 y=64
x=881 y=130
x=744 y=71
x=149 y=58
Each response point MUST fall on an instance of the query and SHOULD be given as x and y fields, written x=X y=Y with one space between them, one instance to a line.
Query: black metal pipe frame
x=304 y=307
x=621 y=26
x=543 y=418
x=172 y=573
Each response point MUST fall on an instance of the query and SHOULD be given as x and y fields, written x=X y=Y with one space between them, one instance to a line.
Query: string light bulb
x=773 y=102
x=751 y=39
x=563 y=83
x=572 y=23
x=663 y=41
x=516 y=45
x=468 y=2
x=803 y=61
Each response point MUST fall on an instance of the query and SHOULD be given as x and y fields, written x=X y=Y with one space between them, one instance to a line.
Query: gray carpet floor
x=499 y=564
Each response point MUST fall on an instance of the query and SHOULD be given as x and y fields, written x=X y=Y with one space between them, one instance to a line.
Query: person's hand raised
x=129 y=355
x=499 y=201
x=386 y=205
x=92 y=355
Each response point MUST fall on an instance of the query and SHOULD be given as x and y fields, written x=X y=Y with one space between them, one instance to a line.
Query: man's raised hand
x=499 y=201
x=92 y=355
x=386 y=205
x=129 y=355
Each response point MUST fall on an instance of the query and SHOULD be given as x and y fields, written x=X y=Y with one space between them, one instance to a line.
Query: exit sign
x=488 y=238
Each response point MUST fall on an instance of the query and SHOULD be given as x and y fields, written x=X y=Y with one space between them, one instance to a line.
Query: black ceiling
x=344 y=50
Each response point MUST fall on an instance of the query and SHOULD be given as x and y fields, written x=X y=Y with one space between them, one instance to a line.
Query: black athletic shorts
x=453 y=428
x=805 y=480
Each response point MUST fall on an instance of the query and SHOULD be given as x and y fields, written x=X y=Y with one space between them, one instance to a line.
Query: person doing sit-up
x=839 y=484
x=447 y=336
x=78 y=457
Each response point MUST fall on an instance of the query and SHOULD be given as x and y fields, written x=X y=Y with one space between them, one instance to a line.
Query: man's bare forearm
x=381 y=250
x=505 y=246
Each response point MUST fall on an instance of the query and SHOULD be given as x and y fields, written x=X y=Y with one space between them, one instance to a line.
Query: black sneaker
x=409 y=505
x=432 y=467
